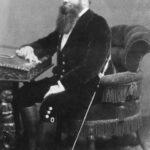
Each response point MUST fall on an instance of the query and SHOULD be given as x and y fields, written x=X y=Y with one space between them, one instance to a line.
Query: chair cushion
x=108 y=120
x=108 y=111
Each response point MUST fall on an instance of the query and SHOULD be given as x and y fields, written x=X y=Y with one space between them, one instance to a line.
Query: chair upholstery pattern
x=129 y=45
x=118 y=110
x=121 y=87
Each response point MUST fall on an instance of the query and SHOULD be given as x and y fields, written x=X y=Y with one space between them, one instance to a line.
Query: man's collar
x=83 y=11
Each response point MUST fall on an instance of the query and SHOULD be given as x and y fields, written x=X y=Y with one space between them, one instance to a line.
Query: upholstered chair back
x=129 y=45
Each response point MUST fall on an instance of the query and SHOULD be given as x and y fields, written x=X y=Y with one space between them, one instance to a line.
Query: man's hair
x=89 y=1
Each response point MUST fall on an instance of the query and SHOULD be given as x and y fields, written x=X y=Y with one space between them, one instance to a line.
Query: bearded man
x=81 y=40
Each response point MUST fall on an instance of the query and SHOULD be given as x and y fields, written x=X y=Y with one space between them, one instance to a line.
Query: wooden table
x=13 y=70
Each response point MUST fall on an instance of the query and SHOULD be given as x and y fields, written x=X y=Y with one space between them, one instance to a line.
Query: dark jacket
x=79 y=62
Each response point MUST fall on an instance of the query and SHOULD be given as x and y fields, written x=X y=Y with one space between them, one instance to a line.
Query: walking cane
x=101 y=74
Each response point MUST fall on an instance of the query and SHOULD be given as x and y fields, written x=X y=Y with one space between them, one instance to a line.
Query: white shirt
x=66 y=36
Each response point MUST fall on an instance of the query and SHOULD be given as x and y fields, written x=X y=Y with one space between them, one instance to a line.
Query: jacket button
x=46 y=116
x=63 y=70
x=61 y=76
x=50 y=108
x=63 y=63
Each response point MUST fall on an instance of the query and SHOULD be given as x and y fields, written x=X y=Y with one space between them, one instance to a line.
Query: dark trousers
x=64 y=104
x=60 y=107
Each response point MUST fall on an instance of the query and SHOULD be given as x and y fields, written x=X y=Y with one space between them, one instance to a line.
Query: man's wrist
x=60 y=85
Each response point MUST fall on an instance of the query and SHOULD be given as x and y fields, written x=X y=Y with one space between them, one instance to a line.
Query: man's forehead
x=75 y=1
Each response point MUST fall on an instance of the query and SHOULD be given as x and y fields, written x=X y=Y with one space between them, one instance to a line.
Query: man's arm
x=39 y=48
x=46 y=45
x=54 y=89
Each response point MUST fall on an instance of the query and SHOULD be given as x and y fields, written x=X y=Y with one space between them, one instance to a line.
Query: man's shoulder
x=97 y=21
x=97 y=18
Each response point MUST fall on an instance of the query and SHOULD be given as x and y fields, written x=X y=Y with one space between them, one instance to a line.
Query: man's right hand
x=27 y=52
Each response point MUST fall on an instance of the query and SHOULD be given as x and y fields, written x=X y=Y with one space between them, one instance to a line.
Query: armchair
x=116 y=109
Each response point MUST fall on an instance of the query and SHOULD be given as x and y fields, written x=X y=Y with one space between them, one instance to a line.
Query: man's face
x=69 y=5
x=68 y=14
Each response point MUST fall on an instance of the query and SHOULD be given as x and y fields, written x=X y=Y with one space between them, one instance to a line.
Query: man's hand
x=27 y=53
x=55 y=89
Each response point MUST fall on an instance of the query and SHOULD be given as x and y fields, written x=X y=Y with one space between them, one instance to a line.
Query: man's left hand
x=54 y=90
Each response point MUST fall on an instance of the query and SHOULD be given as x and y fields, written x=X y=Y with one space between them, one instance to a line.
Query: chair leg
x=91 y=142
x=141 y=143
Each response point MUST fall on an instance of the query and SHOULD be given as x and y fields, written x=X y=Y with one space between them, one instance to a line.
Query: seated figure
x=82 y=41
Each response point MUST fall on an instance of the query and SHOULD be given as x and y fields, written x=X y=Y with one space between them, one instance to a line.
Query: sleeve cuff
x=60 y=85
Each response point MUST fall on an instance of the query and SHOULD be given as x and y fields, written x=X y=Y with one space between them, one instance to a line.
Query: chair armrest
x=121 y=87
x=121 y=78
